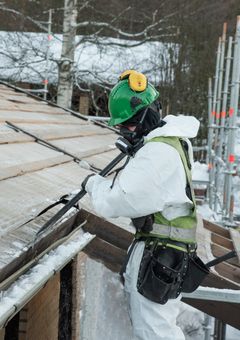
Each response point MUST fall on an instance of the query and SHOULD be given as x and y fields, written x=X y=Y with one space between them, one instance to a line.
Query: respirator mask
x=144 y=121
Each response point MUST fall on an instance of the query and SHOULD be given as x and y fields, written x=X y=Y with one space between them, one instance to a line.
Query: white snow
x=104 y=311
x=45 y=268
x=207 y=213
x=200 y=172
x=22 y=57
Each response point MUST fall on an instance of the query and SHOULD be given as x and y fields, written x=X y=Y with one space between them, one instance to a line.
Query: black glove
x=84 y=183
x=143 y=223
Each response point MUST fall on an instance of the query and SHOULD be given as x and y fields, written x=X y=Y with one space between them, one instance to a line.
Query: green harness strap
x=175 y=143
x=184 y=222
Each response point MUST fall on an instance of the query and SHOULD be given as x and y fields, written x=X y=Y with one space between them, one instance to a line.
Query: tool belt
x=166 y=271
x=196 y=273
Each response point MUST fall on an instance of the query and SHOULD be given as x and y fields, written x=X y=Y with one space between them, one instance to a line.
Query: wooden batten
x=222 y=241
x=217 y=251
x=216 y=229
x=229 y=271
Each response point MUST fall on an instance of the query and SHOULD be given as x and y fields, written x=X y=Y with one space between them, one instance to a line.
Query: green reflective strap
x=139 y=235
x=176 y=144
x=182 y=228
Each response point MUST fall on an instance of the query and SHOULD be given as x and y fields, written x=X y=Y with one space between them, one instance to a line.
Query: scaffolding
x=223 y=100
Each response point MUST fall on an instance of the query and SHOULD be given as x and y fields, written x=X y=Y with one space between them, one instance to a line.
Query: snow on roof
x=30 y=283
x=22 y=58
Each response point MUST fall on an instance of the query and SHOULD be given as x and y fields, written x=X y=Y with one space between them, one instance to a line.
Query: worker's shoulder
x=160 y=149
x=159 y=145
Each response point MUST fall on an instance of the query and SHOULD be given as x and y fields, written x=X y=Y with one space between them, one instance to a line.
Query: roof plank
x=25 y=196
x=38 y=118
x=49 y=131
x=19 y=253
x=82 y=146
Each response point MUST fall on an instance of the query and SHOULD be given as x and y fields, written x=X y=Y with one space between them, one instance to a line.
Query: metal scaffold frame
x=223 y=100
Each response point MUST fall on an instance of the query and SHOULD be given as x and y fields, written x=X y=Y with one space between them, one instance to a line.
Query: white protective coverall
x=153 y=180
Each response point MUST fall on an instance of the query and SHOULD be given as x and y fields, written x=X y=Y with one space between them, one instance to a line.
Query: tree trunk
x=65 y=82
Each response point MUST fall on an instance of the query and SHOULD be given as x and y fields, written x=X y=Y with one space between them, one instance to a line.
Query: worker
x=154 y=190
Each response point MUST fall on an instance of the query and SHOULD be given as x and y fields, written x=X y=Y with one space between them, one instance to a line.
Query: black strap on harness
x=185 y=148
x=118 y=170
x=127 y=257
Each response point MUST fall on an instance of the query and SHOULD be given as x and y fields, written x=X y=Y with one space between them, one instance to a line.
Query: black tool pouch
x=157 y=281
x=196 y=273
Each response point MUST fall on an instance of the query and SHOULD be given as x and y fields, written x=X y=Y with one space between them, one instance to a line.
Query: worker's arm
x=153 y=178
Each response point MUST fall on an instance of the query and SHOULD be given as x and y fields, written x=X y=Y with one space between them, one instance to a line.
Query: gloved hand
x=84 y=183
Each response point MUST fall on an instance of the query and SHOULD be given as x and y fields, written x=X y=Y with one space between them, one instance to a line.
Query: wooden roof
x=33 y=176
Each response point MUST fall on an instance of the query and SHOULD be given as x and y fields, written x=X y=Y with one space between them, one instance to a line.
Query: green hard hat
x=124 y=102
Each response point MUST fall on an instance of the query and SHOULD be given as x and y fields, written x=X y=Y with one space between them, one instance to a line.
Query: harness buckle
x=191 y=247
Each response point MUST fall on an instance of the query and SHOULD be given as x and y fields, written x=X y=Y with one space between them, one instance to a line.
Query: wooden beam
x=227 y=312
x=105 y=230
x=216 y=228
x=229 y=271
x=222 y=241
x=220 y=251
x=105 y=252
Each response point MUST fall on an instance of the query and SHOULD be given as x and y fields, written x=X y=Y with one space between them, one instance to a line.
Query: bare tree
x=114 y=35
x=153 y=31
x=65 y=82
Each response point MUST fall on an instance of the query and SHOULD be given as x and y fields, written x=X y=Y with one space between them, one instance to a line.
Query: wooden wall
x=2 y=332
x=39 y=318
x=78 y=278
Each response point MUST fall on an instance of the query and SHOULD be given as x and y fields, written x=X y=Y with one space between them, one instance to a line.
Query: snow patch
x=45 y=267
x=22 y=58
x=200 y=172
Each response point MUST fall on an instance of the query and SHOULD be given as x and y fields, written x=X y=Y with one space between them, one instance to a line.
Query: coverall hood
x=176 y=126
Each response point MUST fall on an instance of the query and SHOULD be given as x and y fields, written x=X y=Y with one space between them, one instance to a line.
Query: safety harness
x=181 y=229
x=179 y=233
